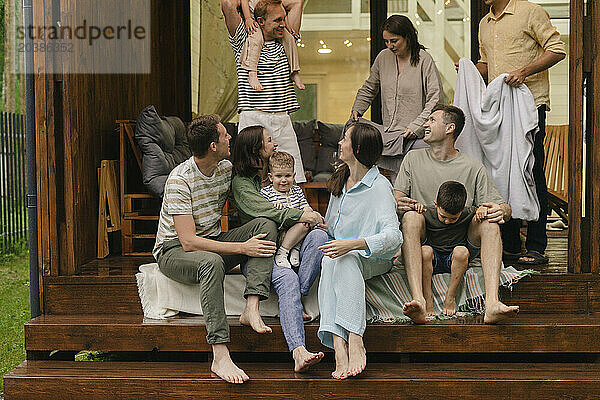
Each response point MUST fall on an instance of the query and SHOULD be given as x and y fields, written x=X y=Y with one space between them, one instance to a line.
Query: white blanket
x=500 y=125
x=162 y=297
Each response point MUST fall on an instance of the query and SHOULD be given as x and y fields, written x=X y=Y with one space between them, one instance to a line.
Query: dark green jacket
x=251 y=204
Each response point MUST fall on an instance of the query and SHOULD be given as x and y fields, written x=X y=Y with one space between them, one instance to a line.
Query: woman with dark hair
x=363 y=227
x=252 y=149
x=410 y=86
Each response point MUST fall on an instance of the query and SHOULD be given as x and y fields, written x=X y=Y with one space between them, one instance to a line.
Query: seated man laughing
x=421 y=174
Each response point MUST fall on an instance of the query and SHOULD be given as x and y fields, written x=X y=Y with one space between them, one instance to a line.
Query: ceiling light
x=322 y=42
x=324 y=50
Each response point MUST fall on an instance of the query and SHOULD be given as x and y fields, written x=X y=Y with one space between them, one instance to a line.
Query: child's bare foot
x=297 y=80
x=415 y=310
x=498 y=312
x=225 y=369
x=341 y=362
x=303 y=358
x=357 y=355
x=253 y=81
x=449 y=306
x=253 y=320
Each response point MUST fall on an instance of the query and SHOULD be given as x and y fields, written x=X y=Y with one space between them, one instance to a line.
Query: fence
x=13 y=211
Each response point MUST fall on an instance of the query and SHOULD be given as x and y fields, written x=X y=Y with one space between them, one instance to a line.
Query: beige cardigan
x=406 y=98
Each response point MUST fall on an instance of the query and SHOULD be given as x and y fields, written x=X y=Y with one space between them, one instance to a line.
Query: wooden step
x=547 y=293
x=527 y=333
x=42 y=380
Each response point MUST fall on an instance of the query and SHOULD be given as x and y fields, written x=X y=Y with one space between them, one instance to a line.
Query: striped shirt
x=189 y=191
x=294 y=198
x=274 y=75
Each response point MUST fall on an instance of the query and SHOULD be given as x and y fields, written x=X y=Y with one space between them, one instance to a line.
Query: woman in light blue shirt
x=363 y=225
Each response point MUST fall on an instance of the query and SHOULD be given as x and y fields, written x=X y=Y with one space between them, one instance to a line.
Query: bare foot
x=303 y=358
x=228 y=371
x=341 y=362
x=253 y=81
x=253 y=320
x=429 y=311
x=415 y=310
x=297 y=80
x=499 y=312
x=357 y=355
x=305 y=316
x=449 y=306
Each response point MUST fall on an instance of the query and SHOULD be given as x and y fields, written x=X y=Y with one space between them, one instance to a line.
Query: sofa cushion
x=329 y=136
x=305 y=132
x=163 y=143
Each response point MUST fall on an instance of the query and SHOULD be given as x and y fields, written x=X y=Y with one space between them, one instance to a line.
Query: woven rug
x=387 y=293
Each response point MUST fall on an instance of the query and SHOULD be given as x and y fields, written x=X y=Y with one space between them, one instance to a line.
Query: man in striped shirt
x=271 y=106
x=191 y=248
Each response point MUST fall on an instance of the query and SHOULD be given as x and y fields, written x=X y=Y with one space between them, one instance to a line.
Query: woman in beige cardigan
x=410 y=87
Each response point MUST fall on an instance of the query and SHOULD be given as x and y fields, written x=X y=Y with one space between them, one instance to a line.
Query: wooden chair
x=556 y=147
x=130 y=213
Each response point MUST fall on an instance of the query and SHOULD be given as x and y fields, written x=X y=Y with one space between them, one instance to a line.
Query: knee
x=317 y=237
x=427 y=253
x=266 y=226
x=460 y=253
x=229 y=4
x=211 y=266
x=292 y=3
x=488 y=228
x=412 y=222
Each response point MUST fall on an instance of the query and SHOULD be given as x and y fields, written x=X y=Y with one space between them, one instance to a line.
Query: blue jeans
x=290 y=285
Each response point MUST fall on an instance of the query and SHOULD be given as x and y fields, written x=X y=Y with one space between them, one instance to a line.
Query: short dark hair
x=452 y=197
x=203 y=131
x=246 y=151
x=262 y=7
x=452 y=115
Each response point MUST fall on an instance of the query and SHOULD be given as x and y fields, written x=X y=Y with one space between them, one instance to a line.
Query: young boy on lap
x=283 y=193
x=446 y=248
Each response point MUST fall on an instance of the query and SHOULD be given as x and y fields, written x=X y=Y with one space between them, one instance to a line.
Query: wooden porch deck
x=118 y=265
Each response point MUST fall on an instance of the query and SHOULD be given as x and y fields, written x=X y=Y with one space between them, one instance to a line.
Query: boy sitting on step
x=446 y=248
x=283 y=193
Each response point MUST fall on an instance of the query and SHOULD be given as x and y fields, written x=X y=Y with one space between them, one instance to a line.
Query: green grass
x=14 y=310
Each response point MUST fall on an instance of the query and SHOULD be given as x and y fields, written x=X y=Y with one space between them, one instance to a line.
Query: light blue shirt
x=367 y=211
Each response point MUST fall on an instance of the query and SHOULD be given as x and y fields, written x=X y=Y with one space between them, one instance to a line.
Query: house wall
x=75 y=128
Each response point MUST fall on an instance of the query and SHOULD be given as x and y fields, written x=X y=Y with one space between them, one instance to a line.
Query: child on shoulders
x=254 y=44
x=446 y=248
x=283 y=193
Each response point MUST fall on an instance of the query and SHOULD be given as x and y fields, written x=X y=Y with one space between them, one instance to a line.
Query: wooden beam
x=594 y=142
x=575 y=133
x=378 y=11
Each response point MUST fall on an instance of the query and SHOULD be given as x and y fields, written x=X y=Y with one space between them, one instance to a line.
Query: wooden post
x=593 y=146
x=575 y=133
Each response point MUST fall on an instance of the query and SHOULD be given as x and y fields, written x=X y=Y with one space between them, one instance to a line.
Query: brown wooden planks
x=528 y=333
x=134 y=380
x=575 y=133
x=594 y=142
